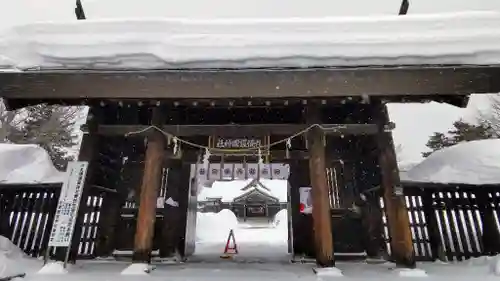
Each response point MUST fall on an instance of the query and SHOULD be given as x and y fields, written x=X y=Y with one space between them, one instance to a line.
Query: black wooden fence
x=27 y=214
x=447 y=221
x=453 y=221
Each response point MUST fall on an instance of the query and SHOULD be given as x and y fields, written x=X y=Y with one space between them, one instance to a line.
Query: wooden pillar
x=88 y=152
x=320 y=192
x=151 y=181
x=394 y=201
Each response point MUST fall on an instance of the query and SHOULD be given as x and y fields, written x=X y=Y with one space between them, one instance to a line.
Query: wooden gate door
x=346 y=220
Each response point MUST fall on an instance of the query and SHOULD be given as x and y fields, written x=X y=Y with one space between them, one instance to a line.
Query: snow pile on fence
x=27 y=164
x=448 y=38
x=475 y=162
x=215 y=226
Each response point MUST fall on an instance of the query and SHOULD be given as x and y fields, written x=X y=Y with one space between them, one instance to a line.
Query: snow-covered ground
x=256 y=242
x=262 y=254
x=13 y=261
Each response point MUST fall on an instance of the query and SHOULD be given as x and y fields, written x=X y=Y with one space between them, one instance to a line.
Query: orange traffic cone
x=230 y=250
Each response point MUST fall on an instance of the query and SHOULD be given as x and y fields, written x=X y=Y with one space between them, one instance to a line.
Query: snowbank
x=281 y=219
x=475 y=162
x=9 y=250
x=215 y=226
x=452 y=38
x=10 y=258
x=53 y=268
x=27 y=164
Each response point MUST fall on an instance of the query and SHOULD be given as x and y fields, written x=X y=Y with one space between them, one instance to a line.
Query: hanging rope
x=195 y=145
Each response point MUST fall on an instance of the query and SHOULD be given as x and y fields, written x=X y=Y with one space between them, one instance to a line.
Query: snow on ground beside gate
x=474 y=162
x=27 y=163
x=13 y=261
x=262 y=242
x=448 y=38
x=215 y=226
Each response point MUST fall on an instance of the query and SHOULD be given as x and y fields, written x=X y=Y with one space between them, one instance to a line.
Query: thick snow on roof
x=475 y=162
x=453 y=38
x=228 y=190
x=27 y=164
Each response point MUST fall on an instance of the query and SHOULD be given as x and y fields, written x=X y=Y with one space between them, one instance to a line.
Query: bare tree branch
x=491 y=118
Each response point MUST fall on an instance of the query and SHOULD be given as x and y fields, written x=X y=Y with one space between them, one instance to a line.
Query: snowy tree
x=49 y=126
x=10 y=123
x=491 y=117
x=462 y=131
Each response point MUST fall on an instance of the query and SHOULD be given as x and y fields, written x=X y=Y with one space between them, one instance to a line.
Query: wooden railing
x=27 y=214
x=453 y=221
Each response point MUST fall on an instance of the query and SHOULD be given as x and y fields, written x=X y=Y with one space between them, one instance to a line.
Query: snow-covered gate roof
x=416 y=55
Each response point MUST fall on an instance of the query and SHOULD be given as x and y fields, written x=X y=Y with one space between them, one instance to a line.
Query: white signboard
x=238 y=143
x=305 y=200
x=67 y=207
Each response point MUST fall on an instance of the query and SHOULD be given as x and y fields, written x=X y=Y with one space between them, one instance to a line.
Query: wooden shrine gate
x=349 y=153
x=336 y=115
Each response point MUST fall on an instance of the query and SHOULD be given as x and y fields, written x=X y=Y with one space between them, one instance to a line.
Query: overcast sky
x=414 y=122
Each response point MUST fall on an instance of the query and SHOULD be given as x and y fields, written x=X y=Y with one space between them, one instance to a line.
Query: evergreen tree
x=52 y=128
x=462 y=131
x=436 y=141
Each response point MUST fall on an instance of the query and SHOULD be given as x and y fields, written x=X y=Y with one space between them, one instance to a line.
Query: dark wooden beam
x=254 y=130
x=394 y=200
x=320 y=193
x=258 y=83
x=151 y=181
x=277 y=156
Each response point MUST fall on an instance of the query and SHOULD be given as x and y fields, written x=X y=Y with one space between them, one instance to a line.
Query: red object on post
x=302 y=207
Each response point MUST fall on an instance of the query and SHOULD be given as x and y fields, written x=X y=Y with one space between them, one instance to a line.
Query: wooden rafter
x=233 y=130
